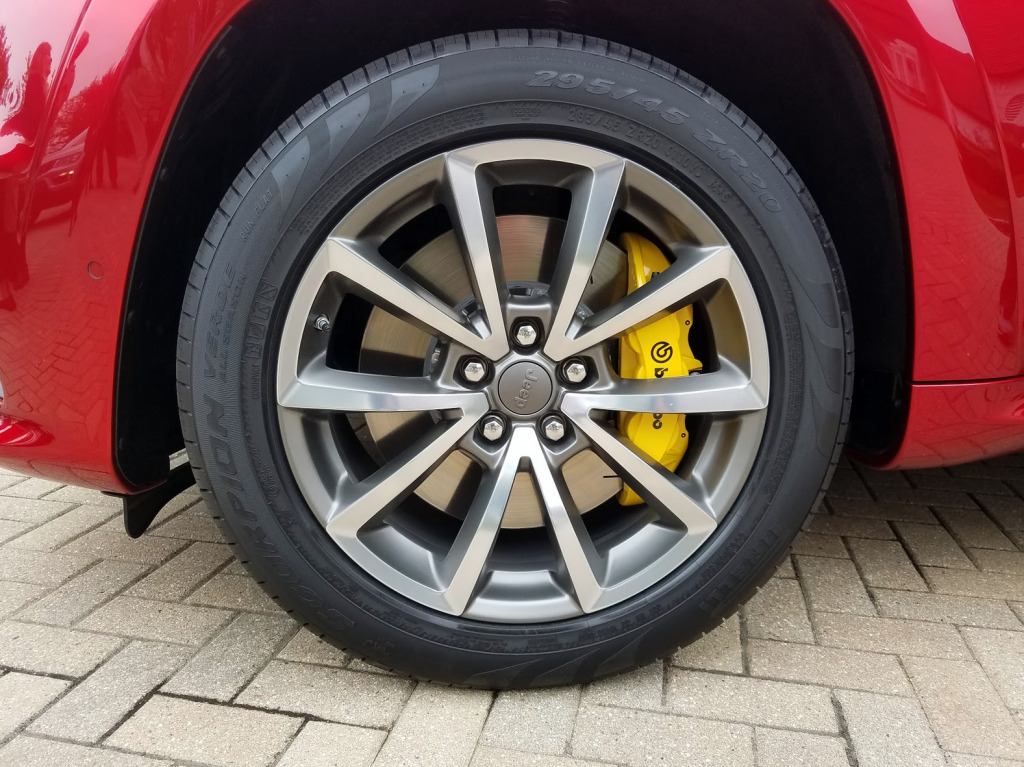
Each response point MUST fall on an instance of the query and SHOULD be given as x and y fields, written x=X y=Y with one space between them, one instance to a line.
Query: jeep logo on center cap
x=524 y=394
x=524 y=388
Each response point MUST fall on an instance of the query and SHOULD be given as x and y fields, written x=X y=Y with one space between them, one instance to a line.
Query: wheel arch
x=244 y=88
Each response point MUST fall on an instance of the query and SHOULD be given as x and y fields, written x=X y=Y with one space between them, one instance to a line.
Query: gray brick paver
x=30 y=510
x=892 y=512
x=178 y=577
x=964 y=708
x=642 y=738
x=975 y=584
x=719 y=650
x=191 y=526
x=206 y=733
x=888 y=732
x=1001 y=655
x=974 y=485
x=833 y=586
x=849 y=527
x=1005 y=511
x=973 y=529
x=778 y=611
x=890 y=635
x=924 y=671
x=84 y=593
x=307 y=647
x=349 y=697
x=51 y=535
x=885 y=564
x=23 y=696
x=818 y=545
x=968 y=760
x=6 y=480
x=846 y=484
x=232 y=658
x=931 y=545
x=73 y=494
x=10 y=529
x=642 y=689
x=100 y=701
x=540 y=721
x=25 y=751
x=326 y=744
x=485 y=756
x=783 y=748
x=158 y=621
x=828 y=666
x=234 y=592
x=147 y=550
x=40 y=567
x=950 y=498
x=994 y=561
x=786 y=569
x=31 y=487
x=438 y=727
x=752 y=701
x=14 y=595
x=52 y=650
x=946 y=608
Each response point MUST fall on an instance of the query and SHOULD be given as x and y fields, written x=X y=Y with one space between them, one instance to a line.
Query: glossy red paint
x=89 y=92
x=1001 y=59
x=956 y=423
x=967 y=322
x=80 y=141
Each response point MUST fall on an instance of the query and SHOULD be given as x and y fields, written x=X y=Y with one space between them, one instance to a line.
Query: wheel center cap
x=524 y=388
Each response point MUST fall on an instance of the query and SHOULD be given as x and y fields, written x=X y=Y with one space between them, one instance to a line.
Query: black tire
x=476 y=86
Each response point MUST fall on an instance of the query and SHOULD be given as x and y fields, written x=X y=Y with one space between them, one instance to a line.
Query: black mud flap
x=141 y=509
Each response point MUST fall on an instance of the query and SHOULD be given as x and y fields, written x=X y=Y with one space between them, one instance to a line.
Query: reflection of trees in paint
x=74 y=115
x=5 y=67
x=30 y=101
x=26 y=107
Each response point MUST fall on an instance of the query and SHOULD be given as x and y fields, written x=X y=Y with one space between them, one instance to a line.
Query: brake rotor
x=529 y=248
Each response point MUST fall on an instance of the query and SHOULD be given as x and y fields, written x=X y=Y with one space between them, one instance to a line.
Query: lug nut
x=574 y=371
x=321 y=323
x=525 y=334
x=492 y=428
x=474 y=371
x=554 y=428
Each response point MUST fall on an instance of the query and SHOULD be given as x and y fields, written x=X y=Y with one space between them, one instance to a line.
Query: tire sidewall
x=325 y=164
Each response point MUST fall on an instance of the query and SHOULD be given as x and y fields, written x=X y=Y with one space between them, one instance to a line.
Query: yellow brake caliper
x=658 y=350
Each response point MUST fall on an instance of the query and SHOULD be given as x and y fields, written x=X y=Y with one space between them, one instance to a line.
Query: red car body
x=89 y=92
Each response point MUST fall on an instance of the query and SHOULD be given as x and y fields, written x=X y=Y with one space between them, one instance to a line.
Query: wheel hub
x=525 y=388
x=389 y=345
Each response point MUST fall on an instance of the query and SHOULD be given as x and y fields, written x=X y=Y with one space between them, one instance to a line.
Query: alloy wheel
x=428 y=515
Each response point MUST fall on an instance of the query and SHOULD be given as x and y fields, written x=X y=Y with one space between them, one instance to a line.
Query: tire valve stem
x=321 y=323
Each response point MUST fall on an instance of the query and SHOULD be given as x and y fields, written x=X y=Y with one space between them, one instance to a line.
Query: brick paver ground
x=893 y=635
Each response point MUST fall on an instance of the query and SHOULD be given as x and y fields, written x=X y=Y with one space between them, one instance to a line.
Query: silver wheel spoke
x=382 y=284
x=728 y=390
x=324 y=388
x=679 y=285
x=582 y=563
x=593 y=206
x=650 y=480
x=359 y=504
x=472 y=210
x=461 y=569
